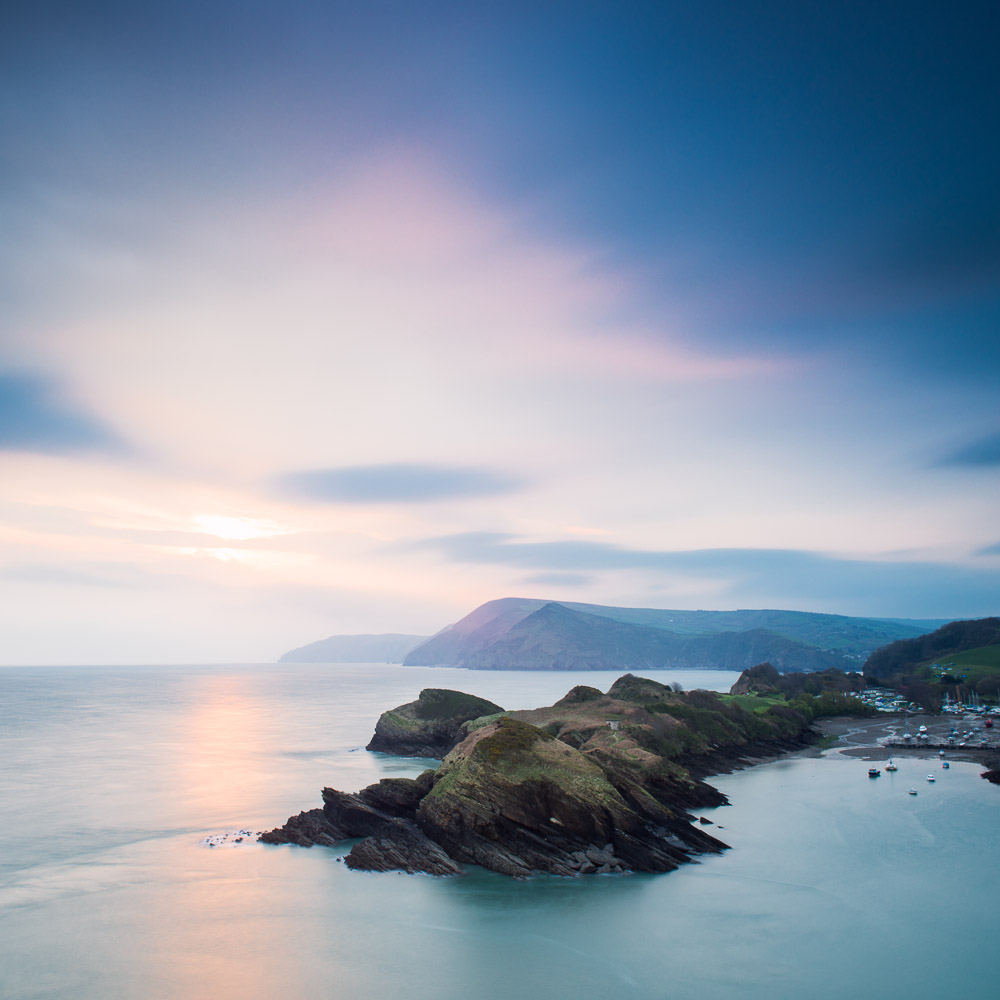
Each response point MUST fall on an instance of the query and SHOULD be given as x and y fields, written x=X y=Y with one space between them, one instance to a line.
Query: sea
x=130 y=797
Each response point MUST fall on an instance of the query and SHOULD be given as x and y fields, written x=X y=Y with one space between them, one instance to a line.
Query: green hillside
x=974 y=664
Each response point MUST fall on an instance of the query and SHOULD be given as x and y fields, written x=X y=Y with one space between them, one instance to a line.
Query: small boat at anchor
x=873 y=772
x=913 y=791
x=930 y=777
x=890 y=766
x=945 y=763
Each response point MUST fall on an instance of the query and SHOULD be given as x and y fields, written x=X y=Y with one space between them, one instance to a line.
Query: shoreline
x=865 y=739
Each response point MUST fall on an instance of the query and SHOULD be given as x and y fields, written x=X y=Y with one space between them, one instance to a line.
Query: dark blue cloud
x=786 y=577
x=983 y=453
x=400 y=482
x=33 y=418
x=722 y=146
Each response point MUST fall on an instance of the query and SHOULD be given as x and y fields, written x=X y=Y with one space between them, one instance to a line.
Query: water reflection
x=109 y=793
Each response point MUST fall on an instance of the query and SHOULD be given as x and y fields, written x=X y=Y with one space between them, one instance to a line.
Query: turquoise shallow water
x=112 y=779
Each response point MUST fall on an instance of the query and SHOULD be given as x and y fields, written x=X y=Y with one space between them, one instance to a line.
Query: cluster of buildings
x=886 y=700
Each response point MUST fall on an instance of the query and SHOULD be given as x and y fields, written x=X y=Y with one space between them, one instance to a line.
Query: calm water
x=111 y=779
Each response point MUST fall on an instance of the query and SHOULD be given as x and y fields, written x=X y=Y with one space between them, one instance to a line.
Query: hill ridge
x=505 y=634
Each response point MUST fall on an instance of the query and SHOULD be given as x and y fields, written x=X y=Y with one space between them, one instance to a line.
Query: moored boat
x=873 y=772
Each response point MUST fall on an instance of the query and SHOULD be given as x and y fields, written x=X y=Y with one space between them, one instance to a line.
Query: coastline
x=866 y=738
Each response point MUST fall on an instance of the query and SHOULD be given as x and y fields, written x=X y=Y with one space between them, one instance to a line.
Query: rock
x=398 y=796
x=514 y=799
x=401 y=846
x=429 y=726
x=306 y=829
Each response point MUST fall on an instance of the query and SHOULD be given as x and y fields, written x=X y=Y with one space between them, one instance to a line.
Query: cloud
x=560 y=579
x=33 y=418
x=396 y=482
x=989 y=550
x=786 y=577
x=983 y=453
x=106 y=575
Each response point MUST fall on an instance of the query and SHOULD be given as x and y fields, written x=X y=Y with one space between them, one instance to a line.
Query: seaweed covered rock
x=429 y=726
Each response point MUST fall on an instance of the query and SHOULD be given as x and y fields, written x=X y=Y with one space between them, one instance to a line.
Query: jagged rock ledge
x=597 y=783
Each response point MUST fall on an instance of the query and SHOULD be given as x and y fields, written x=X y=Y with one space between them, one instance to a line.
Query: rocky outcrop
x=305 y=830
x=516 y=800
x=429 y=726
x=597 y=783
x=401 y=846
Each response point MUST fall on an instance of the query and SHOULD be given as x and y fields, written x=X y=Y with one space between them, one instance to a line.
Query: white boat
x=930 y=777
x=913 y=791
x=890 y=766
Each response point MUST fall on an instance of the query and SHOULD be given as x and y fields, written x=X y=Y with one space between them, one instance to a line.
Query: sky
x=332 y=318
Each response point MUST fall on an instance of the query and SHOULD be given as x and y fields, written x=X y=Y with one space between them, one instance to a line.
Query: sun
x=239 y=529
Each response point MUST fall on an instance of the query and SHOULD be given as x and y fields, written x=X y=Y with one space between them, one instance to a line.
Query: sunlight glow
x=239 y=529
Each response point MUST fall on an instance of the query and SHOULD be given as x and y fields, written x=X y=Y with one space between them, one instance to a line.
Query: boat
x=873 y=772
x=945 y=763
x=930 y=777
x=913 y=791
x=890 y=766
x=922 y=729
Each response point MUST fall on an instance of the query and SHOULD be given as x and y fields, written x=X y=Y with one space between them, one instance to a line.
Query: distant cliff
x=525 y=634
x=388 y=648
